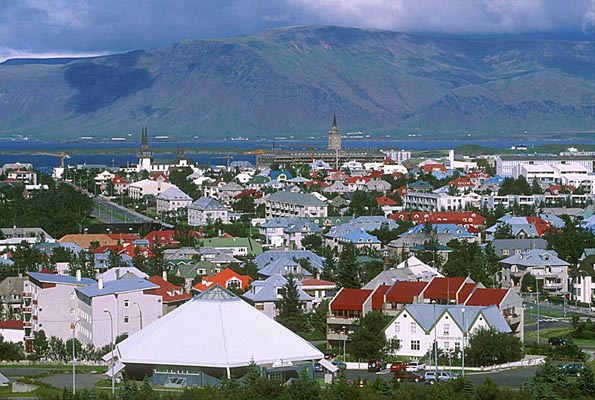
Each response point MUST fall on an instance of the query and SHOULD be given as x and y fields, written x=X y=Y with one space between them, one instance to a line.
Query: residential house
x=289 y=204
x=206 y=210
x=227 y=278
x=265 y=295
x=120 y=185
x=411 y=269
x=287 y=232
x=318 y=289
x=11 y=296
x=239 y=246
x=413 y=330
x=508 y=301
x=508 y=247
x=272 y=260
x=583 y=280
x=172 y=199
x=12 y=331
x=465 y=219
x=550 y=272
x=229 y=191
x=172 y=296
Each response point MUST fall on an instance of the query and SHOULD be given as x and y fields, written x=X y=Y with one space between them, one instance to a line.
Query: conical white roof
x=215 y=329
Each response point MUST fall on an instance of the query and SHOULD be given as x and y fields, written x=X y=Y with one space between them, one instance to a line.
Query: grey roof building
x=205 y=210
x=508 y=247
x=290 y=204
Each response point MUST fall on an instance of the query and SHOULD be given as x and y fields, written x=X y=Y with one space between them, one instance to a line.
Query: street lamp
x=74 y=358
x=111 y=320
x=463 y=347
x=435 y=341
x=537 y=289
x=140 y=313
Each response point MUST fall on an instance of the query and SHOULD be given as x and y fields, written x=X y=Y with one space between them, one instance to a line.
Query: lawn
x=545 y=334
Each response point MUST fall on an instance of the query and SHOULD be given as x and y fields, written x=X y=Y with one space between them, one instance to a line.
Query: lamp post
x=537 y=288
x=435 y=341
x=111 y=320
x=140 y=314
x=463 y=346
x=74 y=358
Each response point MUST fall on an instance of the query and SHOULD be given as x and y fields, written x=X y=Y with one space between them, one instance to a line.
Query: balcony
x=336 y=336
x=27 y=295
x=340 y=321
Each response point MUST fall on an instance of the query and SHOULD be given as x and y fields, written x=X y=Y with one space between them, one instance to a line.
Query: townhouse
x=550 y=272
x=265 y=295
x=206 y=210
x=289 y=204
x=173 y=199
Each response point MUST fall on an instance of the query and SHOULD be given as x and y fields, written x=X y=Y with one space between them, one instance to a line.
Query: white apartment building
x=50 y=304
x=439 y=201
x=289 y=204
x=148 y=187
x=133 y=303
x=583 y=280
x=509 y=164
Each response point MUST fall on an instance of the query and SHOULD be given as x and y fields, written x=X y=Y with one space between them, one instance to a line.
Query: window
x=126 y=303
x=505 y=252
x=126 y=319
x=415 y=345
x=447 y=346
x=397 y=327
x=457 y=347
x=446 y=329
x=413 y=327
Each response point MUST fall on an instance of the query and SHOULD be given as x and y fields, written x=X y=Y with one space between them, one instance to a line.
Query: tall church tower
x=334 y=136
x=145 y=155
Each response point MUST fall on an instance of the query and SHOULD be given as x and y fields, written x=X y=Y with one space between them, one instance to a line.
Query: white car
x=443 y=376
x=416 y=366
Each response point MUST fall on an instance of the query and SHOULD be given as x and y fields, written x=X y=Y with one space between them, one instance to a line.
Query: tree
x=291 y=315
x=368 y=340
x=10 y=351
x=244 y=204
x=304 y=388
x=570 y=241
x=536 y=187
x=488 y=347
x=312 y=243
x=40 y=345
x=467 y=259
x=586 y=382
x=503 y=231
x=348 y=275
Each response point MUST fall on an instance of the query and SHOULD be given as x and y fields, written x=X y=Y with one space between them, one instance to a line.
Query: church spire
x=334 y=120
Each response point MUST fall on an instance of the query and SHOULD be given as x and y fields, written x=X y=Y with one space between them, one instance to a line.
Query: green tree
x=40 y=345
x=312 y=243
x=291 y=315
x=570 y=241
x=304 y=388
x=10 y=351
x=348 y=274
x=368 y=340
x=488 y=347
x=467 y=259
x=503 y=231
x=244 y=204
x=586 y=382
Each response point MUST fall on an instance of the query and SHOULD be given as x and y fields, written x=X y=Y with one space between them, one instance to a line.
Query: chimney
x=100 y=283
x=164 y=275
x=78 y=275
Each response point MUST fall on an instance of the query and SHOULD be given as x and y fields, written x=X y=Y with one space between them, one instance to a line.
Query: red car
x=398 y=366
x=408 y=376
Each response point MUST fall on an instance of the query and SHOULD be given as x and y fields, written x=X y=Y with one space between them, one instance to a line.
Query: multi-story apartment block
x=206 y=210
x=289 y=204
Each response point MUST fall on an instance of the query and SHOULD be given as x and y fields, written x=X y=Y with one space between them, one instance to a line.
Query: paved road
x=83 y=381
x=112 y=213
x=510 y=378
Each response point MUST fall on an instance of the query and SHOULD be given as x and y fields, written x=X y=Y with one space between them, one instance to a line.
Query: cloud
x=100 y=26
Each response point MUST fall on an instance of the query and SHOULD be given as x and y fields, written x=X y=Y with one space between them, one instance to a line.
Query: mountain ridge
x=290 y=80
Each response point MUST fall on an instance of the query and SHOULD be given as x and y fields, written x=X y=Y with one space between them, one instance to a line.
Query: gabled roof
x=350 y=299
x=226 y=333
x=221 y=279
x=535 y=258
x=378 y=297
x=299 y=199
x=168 y=291
x=207 y=203
x=487 y=297
x=465 y=291
x=12 y=324
x=443 y=288
x=266 y=291
x=174 y=194
x=116 y=273
x=404 y=292
x=312 y=282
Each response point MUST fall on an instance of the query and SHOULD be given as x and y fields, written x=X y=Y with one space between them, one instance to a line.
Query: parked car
x=398 y=366
x=318 y=367
x=375 y=365
x=557 y=341
x=340 y=364
x=329 y=355
x=416 y=366
x=408 y=376
x=442 y=376
x=572 y=369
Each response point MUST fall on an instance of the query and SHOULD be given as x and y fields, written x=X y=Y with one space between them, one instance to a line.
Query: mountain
x=291 y=81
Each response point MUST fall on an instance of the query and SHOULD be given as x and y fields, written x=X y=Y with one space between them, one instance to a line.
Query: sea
x=43 y=154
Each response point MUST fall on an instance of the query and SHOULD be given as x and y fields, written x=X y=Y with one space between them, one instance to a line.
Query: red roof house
x=227 y=278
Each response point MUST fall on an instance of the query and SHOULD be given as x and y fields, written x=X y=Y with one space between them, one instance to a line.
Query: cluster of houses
x=204 y=289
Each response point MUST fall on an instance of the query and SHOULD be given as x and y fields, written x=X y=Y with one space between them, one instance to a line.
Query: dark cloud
x=96 y=26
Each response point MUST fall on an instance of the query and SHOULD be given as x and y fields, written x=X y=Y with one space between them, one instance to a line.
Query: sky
x=47 y=28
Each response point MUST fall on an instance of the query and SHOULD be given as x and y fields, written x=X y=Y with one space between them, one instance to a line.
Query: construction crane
x=256 y=152
x=312 y=150
x=62 y=156
x=228 y=157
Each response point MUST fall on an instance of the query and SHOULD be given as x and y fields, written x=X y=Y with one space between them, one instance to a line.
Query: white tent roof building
x=214 y=335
